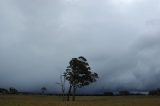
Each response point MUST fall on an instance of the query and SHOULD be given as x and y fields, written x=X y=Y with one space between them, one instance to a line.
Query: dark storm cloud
x=136 y=69
x=120 y=39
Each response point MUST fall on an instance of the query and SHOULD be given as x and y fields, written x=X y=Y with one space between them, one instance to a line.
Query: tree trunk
x=69 y=92
x=74 y=91
x=63 y=91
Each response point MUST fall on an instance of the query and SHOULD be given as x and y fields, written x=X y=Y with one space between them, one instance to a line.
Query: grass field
x=33 y=100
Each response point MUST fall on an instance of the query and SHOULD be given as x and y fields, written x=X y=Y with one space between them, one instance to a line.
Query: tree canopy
x=79 y=73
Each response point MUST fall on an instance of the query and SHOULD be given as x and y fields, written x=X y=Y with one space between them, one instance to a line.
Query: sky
x=119 y=38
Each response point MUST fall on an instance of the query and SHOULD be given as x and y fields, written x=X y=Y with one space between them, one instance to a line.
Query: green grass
x=33 y=100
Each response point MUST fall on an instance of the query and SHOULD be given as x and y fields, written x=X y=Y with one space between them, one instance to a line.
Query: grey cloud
x=137 y=69
x=38 y=38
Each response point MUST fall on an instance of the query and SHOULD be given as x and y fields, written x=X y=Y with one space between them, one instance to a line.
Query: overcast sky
x=119 y=38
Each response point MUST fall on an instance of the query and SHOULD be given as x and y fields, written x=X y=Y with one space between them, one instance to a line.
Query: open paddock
x=40 y=100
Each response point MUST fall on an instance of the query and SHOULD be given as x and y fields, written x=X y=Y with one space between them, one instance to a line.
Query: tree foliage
x=43 y=89
x=79 y=74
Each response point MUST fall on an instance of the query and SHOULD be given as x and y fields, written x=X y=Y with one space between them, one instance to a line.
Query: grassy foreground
x=33 y=100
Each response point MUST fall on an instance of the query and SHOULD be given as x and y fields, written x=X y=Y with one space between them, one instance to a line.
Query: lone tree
x=43 y=89
x=79 y=74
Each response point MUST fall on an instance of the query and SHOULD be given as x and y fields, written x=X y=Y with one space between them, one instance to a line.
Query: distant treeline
x=155 y=92
x=125 y=93
x=12 y=90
